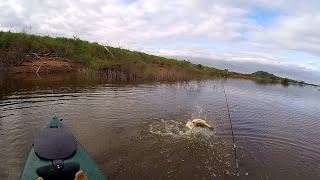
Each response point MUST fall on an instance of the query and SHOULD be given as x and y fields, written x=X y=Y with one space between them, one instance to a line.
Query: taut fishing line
x=233 y=139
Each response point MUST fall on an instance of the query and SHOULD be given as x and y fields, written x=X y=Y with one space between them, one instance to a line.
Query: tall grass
x=110 y=61
x=94 y=54
x=7 y=63
x=73 y=49
x=147 y=72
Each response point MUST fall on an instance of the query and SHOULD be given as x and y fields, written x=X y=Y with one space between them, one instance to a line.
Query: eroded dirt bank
x=49 y=65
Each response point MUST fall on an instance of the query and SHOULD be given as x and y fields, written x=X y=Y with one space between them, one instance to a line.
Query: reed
x=147 y=72
x=7 y=63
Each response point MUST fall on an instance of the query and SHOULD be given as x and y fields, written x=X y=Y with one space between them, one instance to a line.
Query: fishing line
x=233 y=139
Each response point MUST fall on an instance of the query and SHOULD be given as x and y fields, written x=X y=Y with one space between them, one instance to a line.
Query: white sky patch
x=310 y=62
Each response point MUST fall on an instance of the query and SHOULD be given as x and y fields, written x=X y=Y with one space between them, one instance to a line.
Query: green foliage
x=73 y=49
x=95 y=55
x=265 y=74
x=285 y=81
x=99 y=57
x=271 y=78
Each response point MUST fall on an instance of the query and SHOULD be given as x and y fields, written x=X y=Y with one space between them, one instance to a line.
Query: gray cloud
x=290 y=71
x=297 y=32
x=136 y=24
x=246 y=63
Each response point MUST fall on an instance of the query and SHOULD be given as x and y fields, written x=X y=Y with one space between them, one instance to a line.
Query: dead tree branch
x=113 y=56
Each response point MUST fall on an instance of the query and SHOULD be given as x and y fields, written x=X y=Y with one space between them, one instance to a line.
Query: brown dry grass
x=138 y=72
x=49 y=65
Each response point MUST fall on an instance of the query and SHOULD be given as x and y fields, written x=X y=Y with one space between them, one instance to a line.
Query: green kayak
x=56 y=154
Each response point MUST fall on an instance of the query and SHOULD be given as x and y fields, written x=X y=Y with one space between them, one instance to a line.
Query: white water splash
x=199 y=114
x=177 y=129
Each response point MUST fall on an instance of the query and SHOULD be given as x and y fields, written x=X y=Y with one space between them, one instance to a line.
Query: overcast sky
x=281 y=33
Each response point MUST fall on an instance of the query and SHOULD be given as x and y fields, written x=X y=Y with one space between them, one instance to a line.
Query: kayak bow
x=56 y=154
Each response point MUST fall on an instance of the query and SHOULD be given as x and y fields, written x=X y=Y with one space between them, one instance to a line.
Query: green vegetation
x=95 y=55
x=271 y=78
x=115 y=63
x=264 y=74
x=112 y=63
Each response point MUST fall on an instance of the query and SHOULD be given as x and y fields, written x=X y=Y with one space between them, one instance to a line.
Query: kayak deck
x=73 y=161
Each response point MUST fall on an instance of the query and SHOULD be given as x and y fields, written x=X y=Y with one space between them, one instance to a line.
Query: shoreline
x=31 y=54
x=121 y=73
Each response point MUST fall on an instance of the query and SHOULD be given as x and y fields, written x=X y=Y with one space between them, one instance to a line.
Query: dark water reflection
x=137 y=131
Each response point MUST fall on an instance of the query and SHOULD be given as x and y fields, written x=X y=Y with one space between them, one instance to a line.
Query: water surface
x=137 y=131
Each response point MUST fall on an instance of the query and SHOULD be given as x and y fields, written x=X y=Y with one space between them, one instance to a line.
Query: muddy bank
x=49 y=65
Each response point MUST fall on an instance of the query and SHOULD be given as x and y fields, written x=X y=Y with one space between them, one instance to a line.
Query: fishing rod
x=232 y=134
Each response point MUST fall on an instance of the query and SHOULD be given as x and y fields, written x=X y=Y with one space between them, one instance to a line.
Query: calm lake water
x=137 y=131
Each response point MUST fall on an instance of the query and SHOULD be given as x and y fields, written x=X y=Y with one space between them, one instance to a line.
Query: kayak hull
x=80 y=157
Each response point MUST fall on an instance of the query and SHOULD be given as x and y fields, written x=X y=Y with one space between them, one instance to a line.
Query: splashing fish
x=198 y=123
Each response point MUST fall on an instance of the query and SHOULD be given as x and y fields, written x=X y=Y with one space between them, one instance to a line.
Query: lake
x=137 y=131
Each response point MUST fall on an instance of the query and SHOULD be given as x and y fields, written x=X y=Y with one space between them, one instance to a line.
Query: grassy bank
x=14 y=45
x=111 y=63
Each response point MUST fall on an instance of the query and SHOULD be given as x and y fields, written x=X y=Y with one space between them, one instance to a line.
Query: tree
x=285 y=81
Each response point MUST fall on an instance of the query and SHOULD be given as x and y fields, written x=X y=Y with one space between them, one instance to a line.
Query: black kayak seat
x=55 y=143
